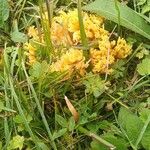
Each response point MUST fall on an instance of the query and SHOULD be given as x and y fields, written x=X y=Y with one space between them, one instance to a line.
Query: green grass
x=113 y=109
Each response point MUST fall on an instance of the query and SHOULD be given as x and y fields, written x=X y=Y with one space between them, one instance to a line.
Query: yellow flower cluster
x=65 y=32
x=72 y=60
x=32 y=32
x=29 y=47
x=31 y=53
x=107 y=53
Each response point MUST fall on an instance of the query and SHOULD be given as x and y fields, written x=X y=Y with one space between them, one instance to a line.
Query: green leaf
x=143 y=68
x=0 y=145
x=145 y=9
x=144 y=114
x=43 y=146
x=120 y=143
x=146 y=139
x=131 y=124
x=17 y=36
x=61 y=121
x=18 y=118
x=4 y=11
x=16 y=143
x=118 y=68
x=71 y=125
x=1 y=106
x=59 y=133
x=128 y=18
x=141 y=2
x=94 y=85
x=38 y=69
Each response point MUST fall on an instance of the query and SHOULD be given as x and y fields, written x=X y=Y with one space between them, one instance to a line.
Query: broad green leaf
x=16 y=143
x=128 y=17
x=59 y=133
x=4 y=11
x=120 y=143
x=144 y=114
x=146 y=139
x=131 y=124
x=71 y=125
x=94 y=85
x=19 y=119
x=61 y=121
x=17 y=36
x=43 y=146
x=38 y=69
x=143 y=68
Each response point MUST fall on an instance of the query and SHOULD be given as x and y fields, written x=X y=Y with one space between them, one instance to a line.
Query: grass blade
x=16 y=99
x=39 y=108
x=128 y=17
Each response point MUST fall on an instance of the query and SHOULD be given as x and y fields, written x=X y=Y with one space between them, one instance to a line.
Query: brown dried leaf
x=72 y=109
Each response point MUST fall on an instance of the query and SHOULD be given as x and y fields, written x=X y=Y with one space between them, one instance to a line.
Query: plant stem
x=46 y=30
x=88 y=133
x=49 y=11
x=82 y=30
x=39 y=108
x=16 y=99
x=118 y=11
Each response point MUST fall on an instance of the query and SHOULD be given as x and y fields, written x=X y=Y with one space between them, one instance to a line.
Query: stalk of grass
x=13 y=62
x=21 y=9
x=134 y=3
x=82 y=30
x=16 y=99
x=46 y=30
x=49 y=11
x=138 y=84
x=118 y=11
x=117 y=100
x=99 y=139
x=39 y=108
x=6 y=124
x=134 y=53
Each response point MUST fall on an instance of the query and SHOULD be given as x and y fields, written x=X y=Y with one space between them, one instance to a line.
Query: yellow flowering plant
x=73 y=77
x=66 y=40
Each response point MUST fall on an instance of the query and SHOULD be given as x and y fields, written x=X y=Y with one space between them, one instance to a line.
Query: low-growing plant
x=73 y=79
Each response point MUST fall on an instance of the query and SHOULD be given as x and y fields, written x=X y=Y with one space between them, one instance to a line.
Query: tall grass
x=14 y=97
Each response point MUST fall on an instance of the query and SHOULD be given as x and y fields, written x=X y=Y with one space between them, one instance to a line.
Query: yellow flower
x=122 y=49
x=72 y=60
x=66 y=30
x=73 y=21
x=107 y=53
x=30 y=53
x=101 y=61
x=32 y=32
x=76 y=37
